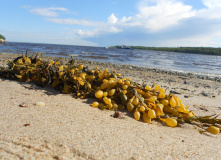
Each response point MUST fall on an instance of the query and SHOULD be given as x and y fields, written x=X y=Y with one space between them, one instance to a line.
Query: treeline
x=2 y=37
x=194 y=50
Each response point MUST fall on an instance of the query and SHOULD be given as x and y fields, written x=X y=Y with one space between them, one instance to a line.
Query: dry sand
x=69 y=128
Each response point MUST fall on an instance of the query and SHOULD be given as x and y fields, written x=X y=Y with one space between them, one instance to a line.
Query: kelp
x=112 y=91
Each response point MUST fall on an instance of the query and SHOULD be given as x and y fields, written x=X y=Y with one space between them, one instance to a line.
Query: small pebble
x=23 y=104
x=26 y=125
x=205 y=94
x=117 y=114
x=40 y=104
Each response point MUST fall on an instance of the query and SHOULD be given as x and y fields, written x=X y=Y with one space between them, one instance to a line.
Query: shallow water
x=181 y=62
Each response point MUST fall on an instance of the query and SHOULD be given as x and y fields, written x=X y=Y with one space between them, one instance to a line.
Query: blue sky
x=159 y=23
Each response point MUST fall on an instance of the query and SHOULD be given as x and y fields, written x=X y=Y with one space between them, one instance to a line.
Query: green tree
x=2 y=37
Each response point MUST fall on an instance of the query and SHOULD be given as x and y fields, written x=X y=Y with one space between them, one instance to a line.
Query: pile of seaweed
x=112 y=91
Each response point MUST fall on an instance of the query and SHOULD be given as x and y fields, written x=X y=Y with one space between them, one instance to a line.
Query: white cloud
x=86 y=33
x=114 y=30
x=97 y=31
x=125 y=19
x=98 y=27
x=48 y=12
x=70 y=21
x=213 y=10
x=212 y=3
x=160 y=14
x=112 y=19
x=152 y=15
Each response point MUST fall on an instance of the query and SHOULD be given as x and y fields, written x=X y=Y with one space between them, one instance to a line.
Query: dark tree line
x=194 y=50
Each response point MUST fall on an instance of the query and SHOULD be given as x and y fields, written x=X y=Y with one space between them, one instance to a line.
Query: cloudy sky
x=159 y=23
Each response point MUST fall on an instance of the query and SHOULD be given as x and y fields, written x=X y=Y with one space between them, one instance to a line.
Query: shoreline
x=69 y=128
x=188 y=74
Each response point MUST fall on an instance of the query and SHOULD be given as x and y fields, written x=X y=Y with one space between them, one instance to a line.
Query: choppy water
x=182 y=62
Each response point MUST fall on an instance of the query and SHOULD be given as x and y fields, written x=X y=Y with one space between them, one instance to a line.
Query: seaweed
x=112 y=91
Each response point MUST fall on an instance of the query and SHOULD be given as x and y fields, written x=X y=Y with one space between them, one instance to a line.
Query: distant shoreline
x=192 y=50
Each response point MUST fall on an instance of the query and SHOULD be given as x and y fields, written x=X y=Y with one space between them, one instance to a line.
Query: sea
x=170 y=61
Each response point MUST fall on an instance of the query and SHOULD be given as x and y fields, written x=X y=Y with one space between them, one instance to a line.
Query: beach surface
x=69 y=128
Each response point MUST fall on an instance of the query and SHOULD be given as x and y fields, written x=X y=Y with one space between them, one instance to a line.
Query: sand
x=69 y=128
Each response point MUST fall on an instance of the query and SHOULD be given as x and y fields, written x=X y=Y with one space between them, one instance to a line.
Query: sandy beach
x=69 y=128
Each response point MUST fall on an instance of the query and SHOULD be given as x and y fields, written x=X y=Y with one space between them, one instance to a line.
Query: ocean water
x=181 y=62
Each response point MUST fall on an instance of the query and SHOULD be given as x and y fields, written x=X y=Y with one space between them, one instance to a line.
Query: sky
x=153 y=23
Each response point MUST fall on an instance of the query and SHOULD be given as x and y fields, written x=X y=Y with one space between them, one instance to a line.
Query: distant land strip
x=193 y=50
